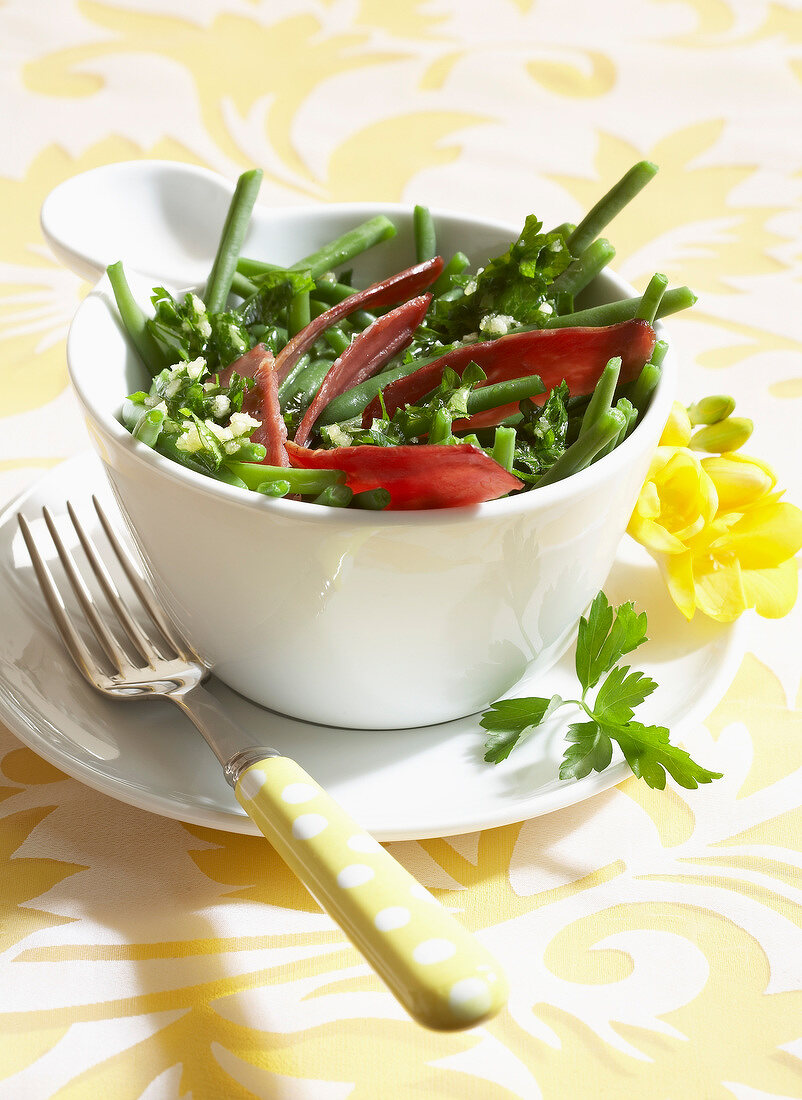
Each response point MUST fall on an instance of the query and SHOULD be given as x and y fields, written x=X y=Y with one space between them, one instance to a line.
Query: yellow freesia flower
x=678 y=429
x=740 y=562
x=677 y=501
x=722 y=536
x=739 y=480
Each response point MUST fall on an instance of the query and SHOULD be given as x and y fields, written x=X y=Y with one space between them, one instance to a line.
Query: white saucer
x=399 y=784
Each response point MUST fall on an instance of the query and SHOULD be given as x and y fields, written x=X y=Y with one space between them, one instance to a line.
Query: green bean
x=335 y=496
x=218 y=286
x=304 y=482
x=424 y=232
x=279 y=488
x=307 y=382
x=581 y=453
x=359 y=319
x=270 y=334
x=243 y=286
x=353 y=401
x=345 y=248
x=317 y=307
x=249 y=452
x=610 y=204
x=584 y=269
x=149 y=426
x=611 y=313
x=487 y=436
x=440 y=430
x=298 y=313
x=630 y=416
x=602 y=397
x=504 y=393
x=133 y=410
x=134 y=321
x=286 y=388
x=374 y=500
x=659 y=353
x=631 y=413
x=337 y=339
x=458 y=263
x=564 y=302
x=650 y=300
x=225 y=475
x=645 y=385
x=331 y=255
x=332 y=293
x=504 y=447
x=565 y=229
x=256 y=267
x=338 y=292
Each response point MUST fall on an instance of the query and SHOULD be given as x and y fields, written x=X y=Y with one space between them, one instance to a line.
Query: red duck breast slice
x=261 y=401
x=422 y=476
x=365 y=357
x=405 y=284
x=578 y=355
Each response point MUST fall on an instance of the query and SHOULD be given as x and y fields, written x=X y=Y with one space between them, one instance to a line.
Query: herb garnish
x=605 y=636
x=514 y=285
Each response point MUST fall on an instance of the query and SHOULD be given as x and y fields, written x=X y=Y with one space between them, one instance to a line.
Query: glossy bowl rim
x=559 y=492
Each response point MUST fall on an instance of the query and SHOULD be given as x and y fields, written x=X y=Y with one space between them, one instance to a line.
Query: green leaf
x=604 y=637
x=276 y=288
x=229 y=339
x=650 y=754
x=592 y=635
x=212 y=454
x=515 y=284
x=540 y=437
x=516 y=714
x=511 y=720
x=181 y=328
x=628 y=632
x=620 y=693
x=591 y=750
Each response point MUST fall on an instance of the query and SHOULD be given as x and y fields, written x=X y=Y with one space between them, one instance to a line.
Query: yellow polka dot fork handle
x=439 y=972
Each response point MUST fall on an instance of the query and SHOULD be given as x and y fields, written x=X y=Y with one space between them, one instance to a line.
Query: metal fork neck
x=242 y=760
x=222 y=736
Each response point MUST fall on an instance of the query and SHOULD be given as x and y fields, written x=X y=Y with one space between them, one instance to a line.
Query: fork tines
x=147 y=645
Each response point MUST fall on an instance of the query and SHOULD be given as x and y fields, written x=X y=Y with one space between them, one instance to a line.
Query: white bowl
x=350 y=618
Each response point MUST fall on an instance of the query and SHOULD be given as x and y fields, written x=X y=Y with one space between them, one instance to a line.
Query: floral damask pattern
x=654 y=938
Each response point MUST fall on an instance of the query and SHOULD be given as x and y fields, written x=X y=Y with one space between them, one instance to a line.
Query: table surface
x=652 y=939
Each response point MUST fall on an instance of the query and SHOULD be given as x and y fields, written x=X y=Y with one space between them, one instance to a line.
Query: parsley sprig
x=516 y=284
x=605 y=636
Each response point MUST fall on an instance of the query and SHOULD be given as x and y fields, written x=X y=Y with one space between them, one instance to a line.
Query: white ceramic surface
x=160 y=216
x=371 y=620
x=399 y=785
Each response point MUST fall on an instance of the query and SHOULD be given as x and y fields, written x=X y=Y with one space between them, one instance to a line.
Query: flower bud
x=677 y=431
x=727 y=435
x=711 y=409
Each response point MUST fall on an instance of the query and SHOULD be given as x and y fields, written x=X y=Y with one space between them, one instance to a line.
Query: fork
x=437 y=970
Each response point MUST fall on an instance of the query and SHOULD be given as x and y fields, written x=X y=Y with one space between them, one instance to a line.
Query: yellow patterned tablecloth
x=653 y=940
